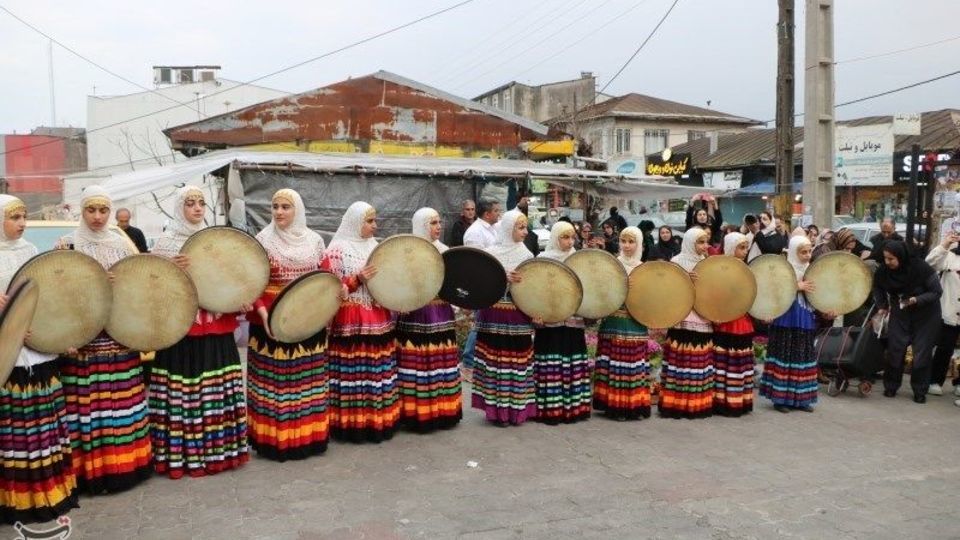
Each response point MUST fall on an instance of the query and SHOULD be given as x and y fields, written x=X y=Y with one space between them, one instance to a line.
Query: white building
x=125 y=133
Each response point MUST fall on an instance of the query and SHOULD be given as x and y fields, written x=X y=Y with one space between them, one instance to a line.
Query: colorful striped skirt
x=198 y=410
x=734 y=364
x=364 y=400
x=428 y=366
x=561 y=372
x=790 y=372
x=287 y=409
x=37 y=481
x=621 y=383
x=686 y=375
x=107 y=415
x=503 y=384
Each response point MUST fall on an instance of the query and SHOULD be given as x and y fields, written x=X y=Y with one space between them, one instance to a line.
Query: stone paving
x=856 y=468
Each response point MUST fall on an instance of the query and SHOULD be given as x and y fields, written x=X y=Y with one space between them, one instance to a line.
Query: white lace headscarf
x=553 y=250
x=348 y=251
x=688 y=256
x=629 y=263
x=799 y=267
x=509 y=252
x=731 y=241
x=296 y=247
x=421 y=226
x=181 y=228
x=13 y=253
x=106 y=246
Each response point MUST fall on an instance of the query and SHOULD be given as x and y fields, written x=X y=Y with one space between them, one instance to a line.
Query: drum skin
x=842 y=282
x=228 y=266
x=305 y=306
x=725 y=288
x=15 y=322
x=603 y=279
x=661 y=294
x=409 y=273
x=472 y=279
x=154 y=303
x=776 y=286
x=548 y=290
x=75 y=300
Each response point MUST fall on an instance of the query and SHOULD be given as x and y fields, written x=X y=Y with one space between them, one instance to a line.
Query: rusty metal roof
x=939 y=131
x=653 y=108
x=378 y=107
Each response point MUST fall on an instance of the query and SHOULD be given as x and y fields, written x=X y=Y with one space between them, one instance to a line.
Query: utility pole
x=819 y=147
x=785 y=97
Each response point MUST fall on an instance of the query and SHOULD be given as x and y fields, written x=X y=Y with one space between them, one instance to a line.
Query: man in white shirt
x=482 y=234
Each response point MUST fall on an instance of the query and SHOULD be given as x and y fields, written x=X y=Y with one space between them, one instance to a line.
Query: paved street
x=857 y=468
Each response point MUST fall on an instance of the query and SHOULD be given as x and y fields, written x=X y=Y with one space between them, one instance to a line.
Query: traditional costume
x=733 y=354
x=561 y=368
x=503 y=384
x=103 y=383
x=621 y=385
x=198 y=410
x=37 y=481
x=428 y=362
x=687 y=371
x=790 y=372
x=287 y=390
x=365 y=404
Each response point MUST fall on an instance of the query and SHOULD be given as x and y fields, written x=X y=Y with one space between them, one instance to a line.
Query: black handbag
x=856 y=350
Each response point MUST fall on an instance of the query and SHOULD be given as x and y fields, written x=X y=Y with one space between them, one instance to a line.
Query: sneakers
x=936 y=390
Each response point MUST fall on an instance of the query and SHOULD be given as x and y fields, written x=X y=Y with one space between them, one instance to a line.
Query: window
x=506 y=101
x=206 y=76
x=186 y=75
x=165 y=76
x=622 y=138
x=496 y=100
x=655 y=140
x=693 y=135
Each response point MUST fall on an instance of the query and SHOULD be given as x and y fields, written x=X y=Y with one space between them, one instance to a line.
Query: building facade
x=543 y=102
x=33 y=166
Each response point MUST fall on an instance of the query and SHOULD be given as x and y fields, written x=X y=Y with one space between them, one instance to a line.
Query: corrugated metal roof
x=653 y=108
x=939 y=130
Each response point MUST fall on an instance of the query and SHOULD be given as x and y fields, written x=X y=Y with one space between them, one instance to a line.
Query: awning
x=767 y=187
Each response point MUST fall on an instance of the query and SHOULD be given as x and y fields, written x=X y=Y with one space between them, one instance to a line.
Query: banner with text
x=864 y=155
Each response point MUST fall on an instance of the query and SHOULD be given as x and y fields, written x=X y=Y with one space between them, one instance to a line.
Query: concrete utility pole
x=818 y=123
x=785 y=97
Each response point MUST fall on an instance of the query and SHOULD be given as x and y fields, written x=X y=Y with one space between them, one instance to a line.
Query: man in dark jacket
x=618 y=220
x=135 y=234
x=887 y=233
x=468 y=214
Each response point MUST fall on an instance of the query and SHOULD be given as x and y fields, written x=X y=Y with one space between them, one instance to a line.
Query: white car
x=865 y=231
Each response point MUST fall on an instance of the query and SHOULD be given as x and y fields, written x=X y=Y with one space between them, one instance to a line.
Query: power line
x=91 y=62
x=898 y=51
x=636 y=52
x=271 y=74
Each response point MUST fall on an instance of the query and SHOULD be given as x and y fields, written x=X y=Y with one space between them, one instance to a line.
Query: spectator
x=887 y=233
x=813 y=233
x=646 y=229
x=751 y=225
x=768 y=239
x=468 y=214
x=135 y=234
x=481 y=233
x=532 y=241
x=611 y=239
x=668 y=245
x=842 y=240
x=618 y=221
x=945 y=259
x=704 y=212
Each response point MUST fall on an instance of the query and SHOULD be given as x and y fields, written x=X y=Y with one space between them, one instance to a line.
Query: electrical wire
x=636 y=52
x=898 y=51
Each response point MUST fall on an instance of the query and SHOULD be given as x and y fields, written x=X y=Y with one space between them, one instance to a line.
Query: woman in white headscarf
x=733 y=350
x=789 y=377
x=204 y=363
x=364 y=401
x=503 y=384
x=561 y=368
x=103 y=381
x=428 y=359
x=38 y=482
x=687 y=371
x=621 y=384
x=287 y=391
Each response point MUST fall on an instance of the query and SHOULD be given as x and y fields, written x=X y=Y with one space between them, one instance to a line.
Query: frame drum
x=14 y=323
x=776 y=286
x=843 y=282
x=661 y=294
x=725 y=288
x=228 y=266
x=75 y=300
x=305 y=306
x=472 y=279
x=548 y=290
x=154 y=303
x=409 y=273
x=603 y=279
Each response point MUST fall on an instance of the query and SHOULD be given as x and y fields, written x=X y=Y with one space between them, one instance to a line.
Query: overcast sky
x=723 y=51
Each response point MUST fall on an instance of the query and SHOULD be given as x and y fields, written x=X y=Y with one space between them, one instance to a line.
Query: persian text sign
x=864 y=155
x=677 y=165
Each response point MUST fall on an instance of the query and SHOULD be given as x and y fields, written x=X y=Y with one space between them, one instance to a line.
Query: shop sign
x=906 y=124
x=864 y=155
x=668 y=164
x=723 y=179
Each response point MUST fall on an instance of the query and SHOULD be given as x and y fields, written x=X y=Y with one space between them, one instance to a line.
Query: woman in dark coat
x=668 y=245
x=909 y=290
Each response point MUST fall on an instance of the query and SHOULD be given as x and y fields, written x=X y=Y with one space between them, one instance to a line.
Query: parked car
x=865 y=231
x=45 y=234
x=543 y=238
